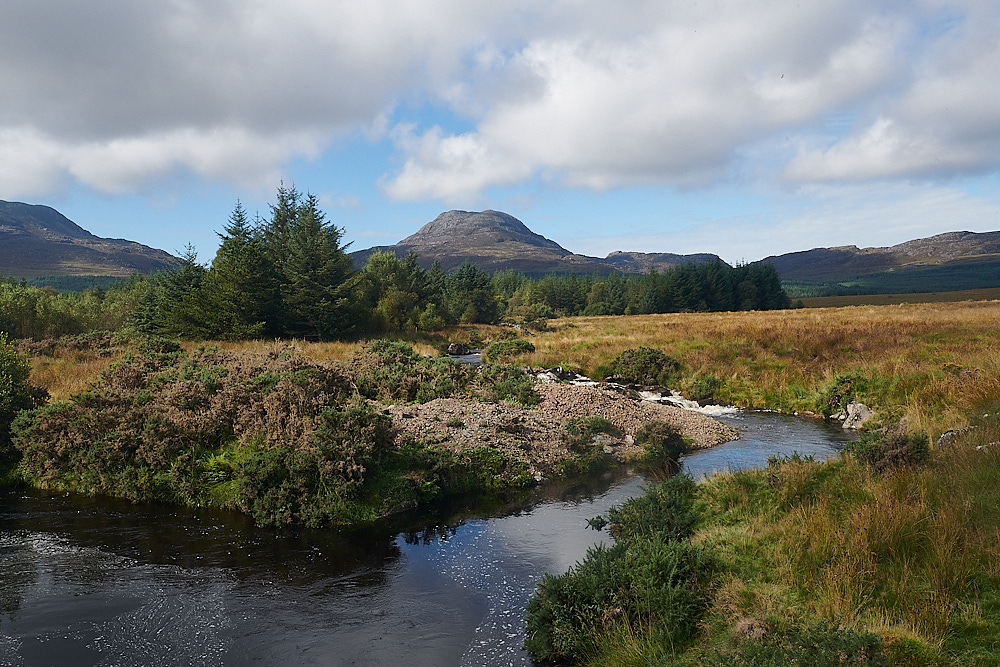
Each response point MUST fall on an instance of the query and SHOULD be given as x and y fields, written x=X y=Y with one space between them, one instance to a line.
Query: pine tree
x=315 y=273
x=239 y=287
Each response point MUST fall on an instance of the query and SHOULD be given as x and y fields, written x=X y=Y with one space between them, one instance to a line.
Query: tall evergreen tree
x=315 y=272
x=239 y=288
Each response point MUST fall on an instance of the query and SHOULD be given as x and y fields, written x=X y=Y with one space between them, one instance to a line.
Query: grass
x=933 y=364
x=818 y=564
x=911 y=555
x=989 y=293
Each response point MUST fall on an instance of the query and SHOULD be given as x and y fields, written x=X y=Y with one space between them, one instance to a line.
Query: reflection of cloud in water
x=504 y=559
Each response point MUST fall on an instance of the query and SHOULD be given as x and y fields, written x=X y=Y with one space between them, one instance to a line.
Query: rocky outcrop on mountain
x=495 y=241
x=39 y=241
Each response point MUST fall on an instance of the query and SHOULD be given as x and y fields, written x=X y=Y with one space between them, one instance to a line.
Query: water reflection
x=764 y=435
x=99 y=582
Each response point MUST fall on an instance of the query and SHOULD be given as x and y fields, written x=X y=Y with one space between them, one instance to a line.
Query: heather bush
x=822 y=645
x=272 y=434
x=393 y=371
x=646 y=366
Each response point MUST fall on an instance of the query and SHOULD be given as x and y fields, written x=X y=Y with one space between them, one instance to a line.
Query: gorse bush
x=16 y=394
x=392 y=371
x=583 y=441
x=652 y=576
x=646 y=366
x=705 y=388
x=665 y=510
x=662 y=442
x=891 y=448
x=502 y=382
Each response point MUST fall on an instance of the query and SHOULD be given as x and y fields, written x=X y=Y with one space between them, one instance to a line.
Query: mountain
x=39 y=241
x=845 y=262
x=495 y=241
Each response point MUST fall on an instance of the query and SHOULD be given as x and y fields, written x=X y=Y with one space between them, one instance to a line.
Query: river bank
x=288 y=439
x=111 y=581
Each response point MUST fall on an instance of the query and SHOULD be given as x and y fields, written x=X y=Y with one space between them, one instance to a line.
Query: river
x=87 y=581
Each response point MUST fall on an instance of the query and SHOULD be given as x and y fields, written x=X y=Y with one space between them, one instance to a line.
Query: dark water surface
x=98 y=582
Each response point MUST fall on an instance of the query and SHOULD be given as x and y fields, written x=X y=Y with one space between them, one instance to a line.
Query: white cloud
x=120 y=94
x=819 y=216
x=946 y=121
x=669 y=101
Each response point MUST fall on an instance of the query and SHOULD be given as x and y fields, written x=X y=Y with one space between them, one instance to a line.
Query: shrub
x=16 y=394
x=274 y=435
x=587 y=427
x=501 y=350
x=891 y=448
x=511 y=383
x=661 y=442
x=841 y=391
x=583 y=442
x=393 y=371
x=646 y=366
x=649 y=578
x=823 y=645
x=665 y=509
x=705 y=388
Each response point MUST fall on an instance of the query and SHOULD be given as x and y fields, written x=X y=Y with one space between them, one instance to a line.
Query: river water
x=88 y=581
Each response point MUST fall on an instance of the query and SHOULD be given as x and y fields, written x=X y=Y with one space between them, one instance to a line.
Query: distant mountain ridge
x=37 y=240
x=495 y=241
x=845 y=262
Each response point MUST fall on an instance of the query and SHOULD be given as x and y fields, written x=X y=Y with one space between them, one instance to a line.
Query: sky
x=745 y=129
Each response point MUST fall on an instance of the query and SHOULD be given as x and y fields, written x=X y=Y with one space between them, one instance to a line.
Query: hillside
x=845 y=262
x=39 y=241
x=495 y=241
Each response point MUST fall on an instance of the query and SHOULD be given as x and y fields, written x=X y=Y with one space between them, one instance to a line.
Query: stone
x=857 y=414
x=458 y=349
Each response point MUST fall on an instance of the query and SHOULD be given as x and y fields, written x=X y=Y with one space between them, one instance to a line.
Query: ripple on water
x=123 y=612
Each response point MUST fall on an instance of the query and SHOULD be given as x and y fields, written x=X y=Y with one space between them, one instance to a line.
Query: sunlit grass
x=906 y=554
x=68 y=372
x=933 y=364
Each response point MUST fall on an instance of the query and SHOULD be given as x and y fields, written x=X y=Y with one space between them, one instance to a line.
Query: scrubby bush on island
x=648 y=366
x=280 y=437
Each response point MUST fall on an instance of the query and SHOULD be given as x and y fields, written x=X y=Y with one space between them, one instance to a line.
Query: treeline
x=289 y=275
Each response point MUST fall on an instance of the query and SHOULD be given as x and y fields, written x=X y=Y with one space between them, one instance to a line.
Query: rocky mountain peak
x=483 y=228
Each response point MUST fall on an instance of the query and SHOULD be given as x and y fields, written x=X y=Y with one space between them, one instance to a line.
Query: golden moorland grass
x=983 y=294
x=935 y=364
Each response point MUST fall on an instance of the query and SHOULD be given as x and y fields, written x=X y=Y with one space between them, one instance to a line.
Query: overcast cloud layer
x=118 y=96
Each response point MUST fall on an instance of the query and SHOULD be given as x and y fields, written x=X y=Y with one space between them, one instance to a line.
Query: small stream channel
x=88 y=581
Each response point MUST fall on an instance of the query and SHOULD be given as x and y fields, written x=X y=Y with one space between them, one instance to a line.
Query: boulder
x=458 y=349
x=857 y=414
